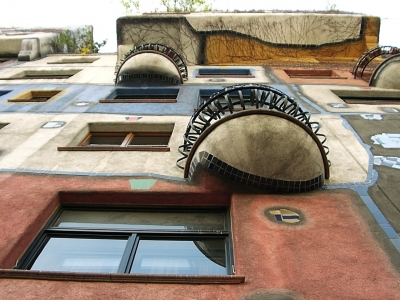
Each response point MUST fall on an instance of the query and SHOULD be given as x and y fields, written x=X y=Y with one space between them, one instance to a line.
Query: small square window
x=168 y=241
x=3 y=92
x=3 y=125
x=35 y=96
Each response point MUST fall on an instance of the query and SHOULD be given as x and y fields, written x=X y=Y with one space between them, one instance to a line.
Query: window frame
x=124 y=146
x=133 y=236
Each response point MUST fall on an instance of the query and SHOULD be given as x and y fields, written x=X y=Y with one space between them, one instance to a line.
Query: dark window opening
x=313 y=74
x=2 y=125
x=129 y=95
x=371 y=101
x=224 y=73
x=369 y=97
x=6 y=60
x=4 y=92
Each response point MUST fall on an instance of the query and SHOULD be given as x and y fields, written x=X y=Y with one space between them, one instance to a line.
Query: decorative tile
x=53 y=124
x=132 y=119
x=338 y=105
x=371 y=116
x=389 y=161
x=142 y=184
x=387 y=140
x=284 y=215
x=267 y=184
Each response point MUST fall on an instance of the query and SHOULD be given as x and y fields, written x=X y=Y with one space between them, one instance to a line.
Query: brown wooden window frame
x=124 y=146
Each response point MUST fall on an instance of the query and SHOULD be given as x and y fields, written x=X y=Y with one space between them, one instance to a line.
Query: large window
x=122 y=137
x=183 y=242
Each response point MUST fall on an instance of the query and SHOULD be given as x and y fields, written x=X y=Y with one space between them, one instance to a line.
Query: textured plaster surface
x=150 y=63
x=37 y=147
x=349 y=159
x=386 y=191
x=335 y=253
x=267 y=146
x=324 y=98
x=387 y=75
x=295 y=29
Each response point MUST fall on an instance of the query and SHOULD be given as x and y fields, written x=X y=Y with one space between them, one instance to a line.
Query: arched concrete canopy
x=264 y=143
x=148 y=66
x=387 y=74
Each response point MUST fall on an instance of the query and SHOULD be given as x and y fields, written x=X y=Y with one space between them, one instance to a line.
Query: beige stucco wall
x=323 y=96
x=25 y=145
x=171 y=30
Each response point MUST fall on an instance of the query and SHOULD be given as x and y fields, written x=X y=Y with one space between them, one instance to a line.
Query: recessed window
x=2 y=125
x=143 y=137
x=368 y=97
x=224 y=73
x=6 y=60
x=4 y=92
x=35 y=96
x=184 y=242
x=75 y=60
x=313 y=74
x=43 y=74
x=137 y=95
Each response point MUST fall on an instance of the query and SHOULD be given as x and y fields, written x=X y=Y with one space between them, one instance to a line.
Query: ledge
x=121 y=278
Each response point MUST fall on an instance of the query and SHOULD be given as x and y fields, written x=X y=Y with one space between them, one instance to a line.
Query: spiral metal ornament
x=365 y=59
x=244 y=96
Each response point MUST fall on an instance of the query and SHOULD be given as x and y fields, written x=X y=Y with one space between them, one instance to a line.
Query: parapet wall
x=253 y=38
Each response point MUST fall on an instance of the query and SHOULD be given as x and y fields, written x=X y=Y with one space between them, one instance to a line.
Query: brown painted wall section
x=234 y=49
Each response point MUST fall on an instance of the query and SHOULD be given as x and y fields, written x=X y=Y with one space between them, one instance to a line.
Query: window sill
x=114 y=148
x=121 y=278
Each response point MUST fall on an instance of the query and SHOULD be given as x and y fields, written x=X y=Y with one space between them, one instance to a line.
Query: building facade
x=176 y=170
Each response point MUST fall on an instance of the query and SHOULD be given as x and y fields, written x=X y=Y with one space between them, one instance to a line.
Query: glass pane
x=188 y=257
x=150 y=140
x=105 y=140
x=81 y=255
x=142 y=220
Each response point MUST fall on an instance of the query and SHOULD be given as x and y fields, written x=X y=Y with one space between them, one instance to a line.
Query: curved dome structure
x=387 y=74
x=270 y=144
x=150 y=63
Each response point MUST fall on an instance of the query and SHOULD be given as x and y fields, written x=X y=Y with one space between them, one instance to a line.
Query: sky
x=102 y=14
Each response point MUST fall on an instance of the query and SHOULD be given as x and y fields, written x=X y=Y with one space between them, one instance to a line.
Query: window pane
x=105 y=140
x=150 y=140
x=142 y=220
x=188 y=257
x=81 y=255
